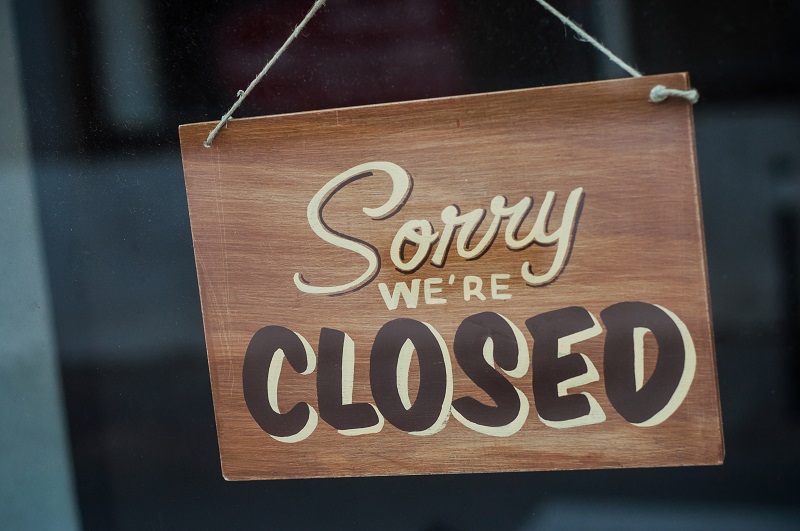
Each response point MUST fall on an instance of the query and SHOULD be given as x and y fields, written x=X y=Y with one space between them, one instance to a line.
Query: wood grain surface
x=638 y=237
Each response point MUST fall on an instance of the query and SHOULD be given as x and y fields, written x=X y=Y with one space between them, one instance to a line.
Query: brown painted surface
x=639 y=238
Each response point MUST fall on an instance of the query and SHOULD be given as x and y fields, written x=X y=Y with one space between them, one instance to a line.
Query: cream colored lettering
x=589 y=375
x=401 y=187
x=472 y=288
x=467 y=226
x=418 y=232
x=516 y=215
x=262 y=357
x=459 y=228
x=431 y=291
x=410 y=295
x=562 y=237
x=497 y=287
x=687 y=374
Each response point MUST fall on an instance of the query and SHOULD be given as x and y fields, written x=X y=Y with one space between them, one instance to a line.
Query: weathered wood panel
x=636 y=236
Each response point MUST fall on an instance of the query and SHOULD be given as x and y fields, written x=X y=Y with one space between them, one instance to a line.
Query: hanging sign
x=494 y=282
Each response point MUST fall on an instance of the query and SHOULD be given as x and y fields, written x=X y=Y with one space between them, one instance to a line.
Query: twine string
x=658 y=94
x=242 y=94
x=585 y=37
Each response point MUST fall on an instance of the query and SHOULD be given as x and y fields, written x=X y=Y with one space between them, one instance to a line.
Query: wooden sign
x=494 y=282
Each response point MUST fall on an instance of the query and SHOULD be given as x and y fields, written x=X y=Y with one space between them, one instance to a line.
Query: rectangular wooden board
x=537 y=330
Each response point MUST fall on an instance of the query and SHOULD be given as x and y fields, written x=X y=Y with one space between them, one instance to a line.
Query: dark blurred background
x=105 y=402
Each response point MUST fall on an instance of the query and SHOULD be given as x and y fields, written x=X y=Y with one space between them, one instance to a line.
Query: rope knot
x=661 y=93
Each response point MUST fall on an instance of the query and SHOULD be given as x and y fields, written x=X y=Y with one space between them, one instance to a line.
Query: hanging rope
x=659 y=92
x=244 y=93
